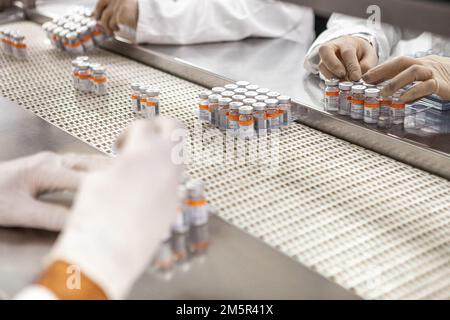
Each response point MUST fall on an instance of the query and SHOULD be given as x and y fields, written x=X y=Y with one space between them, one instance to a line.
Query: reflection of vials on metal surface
x=164 y=260
x=199 y=239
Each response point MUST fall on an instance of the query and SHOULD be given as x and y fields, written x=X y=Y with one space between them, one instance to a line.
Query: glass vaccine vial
x=203 y=106
x=246 y=123
x=242 y=83
x=136 y=97
x=231 y=87
x=272 y=113
x=285 y=110
x=100 y=81
x=84 y=75
x=260 y=117
x=331 y=95
x=261 y=98
x=345 y=98
x=196 y=203
x=371 y=106
x=238 y=98
x=223 y=110
x=20 y=50
x=213 y=106
x=233 y=118
x=357 y=108
x=397 y=108
x=152 y=103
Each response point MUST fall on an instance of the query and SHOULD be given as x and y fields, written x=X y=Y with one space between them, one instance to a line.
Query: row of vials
x=89 y=77
x=145 y=100
x=76 y=33
x=190 y=233
x=244 y=110
x=363 y=101
x=13 y=44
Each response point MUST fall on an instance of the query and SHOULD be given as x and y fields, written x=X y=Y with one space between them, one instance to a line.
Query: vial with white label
x=371 y=106
x=272 y=113
x=213 y=106
x=86 y=39
x=143 y=101
x=152 y=102
x=285 y=110
x=357 y=108
x=73 y=44
x=345 y=98
x=7 y=42
x=75 y=76
x=331 y=95
x=233 y=119
x=246 y=123
x=136 y=97
x=385 y=106
x=20 y=50
x=196 y=203
x=84 y=75
x=100 y=81
x=397 y=108
x=224 y=107
x=260 y=117
x=203 y=106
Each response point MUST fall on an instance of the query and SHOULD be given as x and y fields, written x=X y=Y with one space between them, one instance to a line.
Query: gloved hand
x=113 y=13
x=347 y=57
x=22 y=180
x=433 y=72
x=122 y=214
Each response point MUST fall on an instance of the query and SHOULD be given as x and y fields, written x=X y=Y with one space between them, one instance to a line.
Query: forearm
x=195 y=21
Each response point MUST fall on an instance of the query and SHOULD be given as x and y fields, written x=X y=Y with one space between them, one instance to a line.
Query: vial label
x=150 y=109
x=273 y=122
x=345 y=104
x=101 y=89
x=385 y=107
x=371 y=112
x=136 y=103
x=212 y=113
x=198 y=212
x=332 y=101
x=246 y=129
x=357 y=109
x=203 y=112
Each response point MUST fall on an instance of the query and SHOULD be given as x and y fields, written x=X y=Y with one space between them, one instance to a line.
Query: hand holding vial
x=432 y=74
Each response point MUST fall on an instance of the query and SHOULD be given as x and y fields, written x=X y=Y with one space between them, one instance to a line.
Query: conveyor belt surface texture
x=371 y=224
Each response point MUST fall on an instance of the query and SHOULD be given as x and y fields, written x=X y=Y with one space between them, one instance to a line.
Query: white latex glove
x=431 y=72
x=121 y=215
x=22 y=180
x=347 y=57
x=113 y=13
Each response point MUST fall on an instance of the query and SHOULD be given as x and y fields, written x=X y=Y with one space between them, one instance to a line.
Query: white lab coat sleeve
x=36 y=292
x=200 y=21
x=385 y=37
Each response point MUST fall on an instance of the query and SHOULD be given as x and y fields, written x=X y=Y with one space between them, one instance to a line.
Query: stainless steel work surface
x=236 y=267
x=369 y=223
